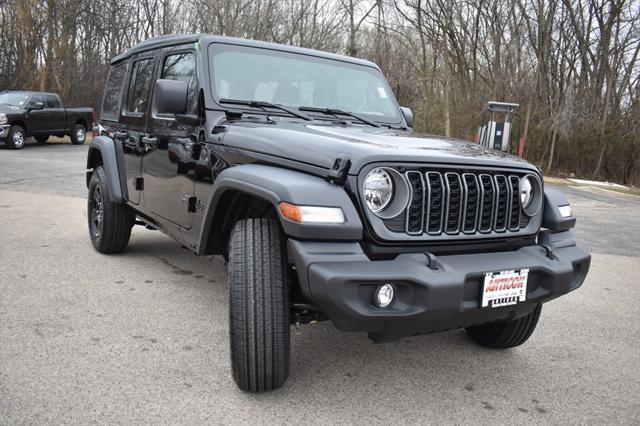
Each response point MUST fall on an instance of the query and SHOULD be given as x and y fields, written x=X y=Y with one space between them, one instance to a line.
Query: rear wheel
x=258 y=306
x=41 y=138
x=110 y=223
x=16 y=137
x=506 y=334
x=78 y=134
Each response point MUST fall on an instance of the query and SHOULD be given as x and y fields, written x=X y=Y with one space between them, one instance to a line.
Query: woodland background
x=572 y=65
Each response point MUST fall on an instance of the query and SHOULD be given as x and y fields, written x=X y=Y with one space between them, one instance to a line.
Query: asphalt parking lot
x=142 y=337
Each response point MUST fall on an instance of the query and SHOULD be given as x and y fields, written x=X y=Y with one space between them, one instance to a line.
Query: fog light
x=565 y=211
x=384 y=295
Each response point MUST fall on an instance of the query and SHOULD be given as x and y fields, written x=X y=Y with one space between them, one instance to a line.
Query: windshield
x=16 y=99
x=291 y=79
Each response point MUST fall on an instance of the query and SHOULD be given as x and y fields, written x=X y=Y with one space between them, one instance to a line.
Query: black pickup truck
x=38 y=114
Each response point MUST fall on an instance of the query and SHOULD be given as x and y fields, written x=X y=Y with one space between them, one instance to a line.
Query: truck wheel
x=41 y=138
x=258 y=306
x=78 y=134
x=16 y=137
x=506 y=334
x=109 y=223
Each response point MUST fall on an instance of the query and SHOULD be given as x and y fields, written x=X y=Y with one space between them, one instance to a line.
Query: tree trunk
x=527 y=120
x=447 y=109
x=553 y=149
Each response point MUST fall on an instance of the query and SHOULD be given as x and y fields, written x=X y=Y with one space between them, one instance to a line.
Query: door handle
x=147 y=144
x=146 y=140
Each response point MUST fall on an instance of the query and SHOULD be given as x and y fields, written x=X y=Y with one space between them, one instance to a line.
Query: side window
x=182 y=66
x=51 y=101
x=112 y=90
x=35 y=98
x=139 y=85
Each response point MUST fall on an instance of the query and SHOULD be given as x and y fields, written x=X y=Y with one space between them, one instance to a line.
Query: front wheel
x=16 y=137
x=506 y=334
x=78 y=134
x=110 y=223
x=258 y=306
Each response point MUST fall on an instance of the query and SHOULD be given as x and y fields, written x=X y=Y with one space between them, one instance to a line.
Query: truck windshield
x=294 y=80
x=16 y=99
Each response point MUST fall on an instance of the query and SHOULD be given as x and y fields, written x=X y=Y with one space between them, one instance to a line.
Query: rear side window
x=51 y=101
x=112 y=90
x=139 y=85
x=182 y=66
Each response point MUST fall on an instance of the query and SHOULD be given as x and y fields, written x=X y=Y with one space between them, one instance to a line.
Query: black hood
x=320 y=144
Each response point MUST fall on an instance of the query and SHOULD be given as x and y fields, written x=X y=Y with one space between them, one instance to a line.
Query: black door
x=55 y=112
x=169 y=166
x=39 y=117
x=133 y=122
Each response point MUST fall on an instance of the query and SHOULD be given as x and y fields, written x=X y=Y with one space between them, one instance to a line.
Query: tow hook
x=432 y=262
x=549 y=252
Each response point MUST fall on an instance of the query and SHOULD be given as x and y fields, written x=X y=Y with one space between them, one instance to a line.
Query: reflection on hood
x=318 y=144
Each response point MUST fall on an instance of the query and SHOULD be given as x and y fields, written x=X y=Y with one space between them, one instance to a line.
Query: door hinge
x=139 y=184
x=191 y=204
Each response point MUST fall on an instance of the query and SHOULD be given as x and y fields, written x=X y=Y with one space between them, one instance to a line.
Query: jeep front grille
x=453 y=203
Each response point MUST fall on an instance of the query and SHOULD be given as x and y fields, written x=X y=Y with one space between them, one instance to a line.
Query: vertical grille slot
x=415 y=211
x=471 y=202
x=436 y=190
x=486 y=204
x=454 y=202
x=514 y=217
x=502 y=203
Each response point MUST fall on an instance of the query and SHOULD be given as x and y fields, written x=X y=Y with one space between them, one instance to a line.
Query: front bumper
x=340 y=280
x=4 y=132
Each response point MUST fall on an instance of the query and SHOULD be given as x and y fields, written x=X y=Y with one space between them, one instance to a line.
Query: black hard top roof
x=206 y=39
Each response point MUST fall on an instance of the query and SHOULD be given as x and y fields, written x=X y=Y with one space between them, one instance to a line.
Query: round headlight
x=526 y=192
x=378 y=189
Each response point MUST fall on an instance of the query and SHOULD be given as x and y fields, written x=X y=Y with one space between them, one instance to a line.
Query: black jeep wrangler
x=299 y=168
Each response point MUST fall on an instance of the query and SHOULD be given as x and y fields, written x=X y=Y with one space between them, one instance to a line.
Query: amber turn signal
x=311 y=214
x=291 y=212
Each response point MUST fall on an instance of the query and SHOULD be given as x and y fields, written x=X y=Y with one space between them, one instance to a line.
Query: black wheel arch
x=21 y=124
x=238 y=205
x=103 y=152
x=254 y=190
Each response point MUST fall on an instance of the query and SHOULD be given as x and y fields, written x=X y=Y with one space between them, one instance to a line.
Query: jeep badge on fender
x=300 y=168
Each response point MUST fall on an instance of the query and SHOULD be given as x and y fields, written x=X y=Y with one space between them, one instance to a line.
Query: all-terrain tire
x=16 y=138
x=110 y=223
x=78 y=134
x=506 y=334
x=258 y=306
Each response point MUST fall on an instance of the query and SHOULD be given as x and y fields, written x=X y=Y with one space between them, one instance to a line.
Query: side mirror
x=171 y=96
x=36 y=105
x=408 y=116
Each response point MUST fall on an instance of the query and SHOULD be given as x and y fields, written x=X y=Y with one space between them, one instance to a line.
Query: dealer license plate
x=504 y=288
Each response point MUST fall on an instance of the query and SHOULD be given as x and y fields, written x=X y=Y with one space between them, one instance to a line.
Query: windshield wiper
x=263 y=104
x=333 y=111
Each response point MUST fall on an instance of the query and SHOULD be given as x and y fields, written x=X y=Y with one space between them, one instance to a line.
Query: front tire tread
x=259 y=316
